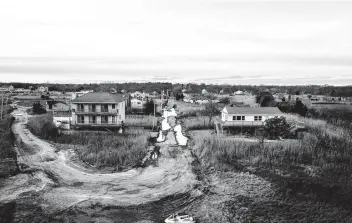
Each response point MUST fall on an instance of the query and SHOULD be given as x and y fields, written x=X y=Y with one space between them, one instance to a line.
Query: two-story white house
x=98 y=109
x=248 y=116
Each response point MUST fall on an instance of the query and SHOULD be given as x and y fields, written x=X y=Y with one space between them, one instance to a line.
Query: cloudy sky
x=212 y=41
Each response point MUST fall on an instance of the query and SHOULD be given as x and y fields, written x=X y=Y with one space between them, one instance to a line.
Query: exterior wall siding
x=118 y=112
x=250 y=118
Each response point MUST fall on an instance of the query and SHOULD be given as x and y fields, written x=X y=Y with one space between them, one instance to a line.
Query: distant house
x=61 y=113
x=56 y=106
x=248 y=116
x=137 y=104
x=98 y=109
x=204 y=91
x=238 y=93
x=77 y=94
x=22 y=90
x=7 y=88
x=201 y=102
x=138 y=94
x=42 y=89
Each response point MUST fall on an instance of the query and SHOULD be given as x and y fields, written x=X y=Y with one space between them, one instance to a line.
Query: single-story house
x=137 y=104
x=238 y=93
x=98 y=109
x=42 y=89
x=201 y=102
x=204 y=91
x=138 y=94
x=7 y=88
x=248 y=116
x=57 y=106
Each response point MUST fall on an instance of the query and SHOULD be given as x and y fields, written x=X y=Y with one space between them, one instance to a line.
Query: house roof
x=55 y=102
x=254 y=111
x=99 y=97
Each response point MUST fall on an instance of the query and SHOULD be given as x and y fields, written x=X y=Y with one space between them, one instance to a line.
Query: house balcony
x=242 y=123
x=96 y=112
x=95 y=124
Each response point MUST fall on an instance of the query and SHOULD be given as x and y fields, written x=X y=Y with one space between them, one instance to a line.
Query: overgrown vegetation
x=141 y=121
x=297 y=107
x=8 y=156
x=108 y=150
x=99 y=149
x=38 y=108
x=43 y=127
x=6 y=138
x=313 y=169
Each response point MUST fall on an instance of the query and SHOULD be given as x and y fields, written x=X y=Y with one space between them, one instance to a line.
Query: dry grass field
x=310 y=177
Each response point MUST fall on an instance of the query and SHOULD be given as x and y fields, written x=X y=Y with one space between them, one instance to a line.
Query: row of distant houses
x=105 y=109
x=10 y=88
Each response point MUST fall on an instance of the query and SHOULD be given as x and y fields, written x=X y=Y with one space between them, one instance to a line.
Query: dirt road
x=62 y=185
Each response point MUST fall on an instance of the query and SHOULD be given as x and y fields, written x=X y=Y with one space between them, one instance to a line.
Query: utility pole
x=154 y=114
x=2 y=104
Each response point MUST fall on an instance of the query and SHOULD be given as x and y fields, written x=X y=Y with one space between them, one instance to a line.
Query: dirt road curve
x=63 y=185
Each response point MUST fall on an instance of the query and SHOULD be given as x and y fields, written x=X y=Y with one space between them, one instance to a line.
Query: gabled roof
x=254 y=111
x=99 y=97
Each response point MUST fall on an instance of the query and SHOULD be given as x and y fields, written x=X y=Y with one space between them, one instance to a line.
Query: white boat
x=180 y=218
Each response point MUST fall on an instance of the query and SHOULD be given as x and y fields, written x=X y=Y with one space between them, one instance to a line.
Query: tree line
x=334 y=91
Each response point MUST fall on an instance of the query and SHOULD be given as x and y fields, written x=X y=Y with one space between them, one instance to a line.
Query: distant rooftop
x=254 y=111
x=55 y=102
x=99 y=97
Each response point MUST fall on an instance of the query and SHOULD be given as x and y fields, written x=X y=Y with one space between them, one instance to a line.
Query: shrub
x=277 y=127
x=43 y=126
x=38 y=109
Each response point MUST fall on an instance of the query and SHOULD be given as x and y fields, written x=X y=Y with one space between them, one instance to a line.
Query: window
x=104 y=119
x=50 y=106
x=91 y=119
x=80 y=107
x=238 y=118
x=257 y=118
x=104 y=108
x=80 y=119
x=91 y=107
x=114 y=119
x=113 y=106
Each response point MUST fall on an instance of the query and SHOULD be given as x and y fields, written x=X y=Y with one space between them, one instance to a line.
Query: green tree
x=38 y=108
x=300 y=108
x=211 y=110
x=149 y=107
x=265 y=99
x=225 y=100
x=277 y=127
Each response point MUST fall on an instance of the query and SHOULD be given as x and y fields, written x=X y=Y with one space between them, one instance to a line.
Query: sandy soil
x=63 y=185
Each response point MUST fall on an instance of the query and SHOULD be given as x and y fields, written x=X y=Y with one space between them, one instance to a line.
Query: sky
x=204 y=41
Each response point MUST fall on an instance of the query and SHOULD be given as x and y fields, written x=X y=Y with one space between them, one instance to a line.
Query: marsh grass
x=99 y=149
x=197 y=123
x=145 y=121
x=108 y=149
